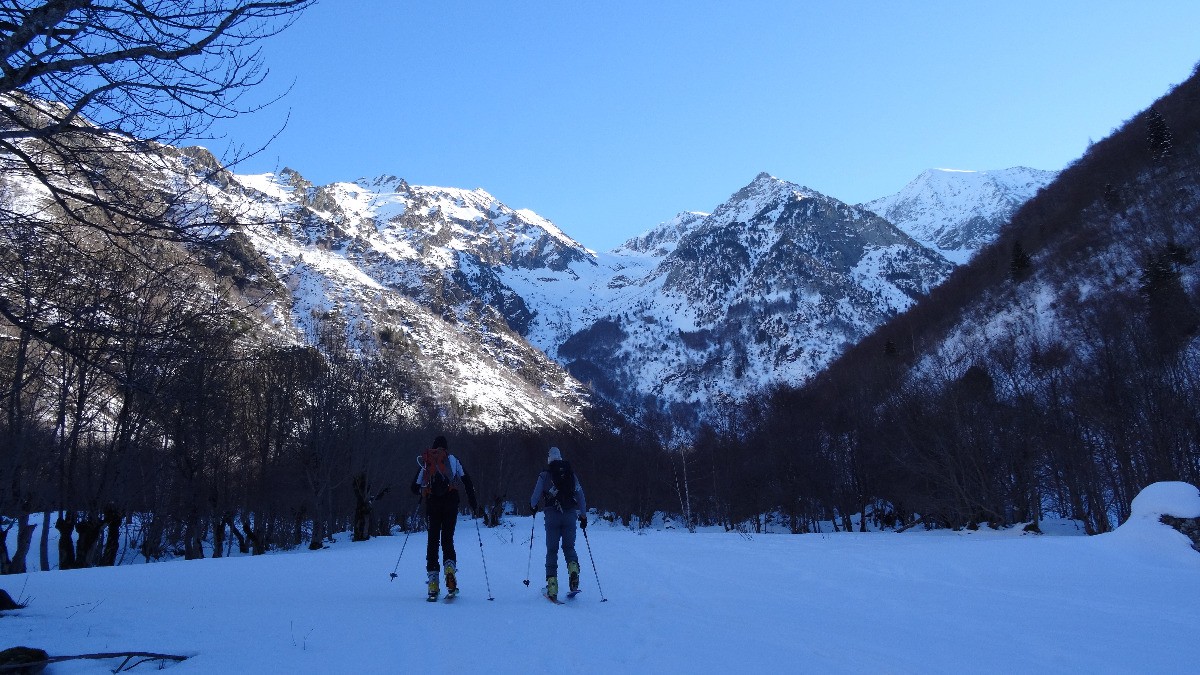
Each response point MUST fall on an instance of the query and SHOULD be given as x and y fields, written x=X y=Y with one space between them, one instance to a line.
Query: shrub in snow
x=1189 y=527
x=23 y=659
x=7 y=603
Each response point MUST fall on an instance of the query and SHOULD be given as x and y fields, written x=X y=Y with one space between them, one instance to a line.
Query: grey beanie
x=554 y=455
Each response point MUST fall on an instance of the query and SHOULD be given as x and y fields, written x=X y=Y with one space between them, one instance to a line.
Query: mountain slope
x=385 y=263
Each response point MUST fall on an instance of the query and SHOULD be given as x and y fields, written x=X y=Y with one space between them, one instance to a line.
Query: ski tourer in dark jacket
x=559 y=490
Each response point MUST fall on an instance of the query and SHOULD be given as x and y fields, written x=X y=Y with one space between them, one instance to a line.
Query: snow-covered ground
x=713 y=602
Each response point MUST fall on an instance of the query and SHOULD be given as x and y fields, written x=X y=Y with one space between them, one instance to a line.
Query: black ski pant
x=560 y=526
x=443 y=516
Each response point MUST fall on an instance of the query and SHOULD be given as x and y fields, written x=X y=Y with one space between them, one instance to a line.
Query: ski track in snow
x=940 y=602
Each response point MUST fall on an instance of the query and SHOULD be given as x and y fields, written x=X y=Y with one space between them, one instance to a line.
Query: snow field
x=940 y=602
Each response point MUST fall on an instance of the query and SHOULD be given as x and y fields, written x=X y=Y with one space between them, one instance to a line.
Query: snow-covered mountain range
x=501 y=320
x=504 y=312
x=766 y=289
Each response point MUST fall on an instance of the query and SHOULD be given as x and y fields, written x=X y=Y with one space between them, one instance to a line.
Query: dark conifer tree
x=1112 y=198
x=1172 y=316
x=1158 y=136
x=1021 y=263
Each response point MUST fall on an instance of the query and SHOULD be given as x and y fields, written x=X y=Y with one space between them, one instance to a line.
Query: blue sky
x=610 y=117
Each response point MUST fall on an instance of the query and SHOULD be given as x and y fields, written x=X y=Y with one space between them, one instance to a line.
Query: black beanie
x=440 y=442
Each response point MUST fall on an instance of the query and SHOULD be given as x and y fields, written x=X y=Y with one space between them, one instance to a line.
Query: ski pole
x=598 y=586
x=481 y=555
x=529 y=565
x=405 y=545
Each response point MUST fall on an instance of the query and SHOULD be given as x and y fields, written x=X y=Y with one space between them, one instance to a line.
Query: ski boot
x=573 y=576
x=451 y=579
x=433 y=587
x=550 y=590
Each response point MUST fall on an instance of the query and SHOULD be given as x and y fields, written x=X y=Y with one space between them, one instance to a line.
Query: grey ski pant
x=560 y=525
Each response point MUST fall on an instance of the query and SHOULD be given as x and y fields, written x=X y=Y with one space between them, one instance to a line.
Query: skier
x=438 y=482
x=560 y=491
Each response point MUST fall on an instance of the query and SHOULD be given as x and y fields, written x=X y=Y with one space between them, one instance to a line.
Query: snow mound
x=1145 y=533
x=1173 y=498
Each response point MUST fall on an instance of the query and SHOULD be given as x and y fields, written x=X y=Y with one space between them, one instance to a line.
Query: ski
x=431 y=598
x=451 y=595
x=571 y=594
x=546 y=595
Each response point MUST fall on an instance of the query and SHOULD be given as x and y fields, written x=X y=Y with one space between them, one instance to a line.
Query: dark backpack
x=436 y=481
x=561 y=493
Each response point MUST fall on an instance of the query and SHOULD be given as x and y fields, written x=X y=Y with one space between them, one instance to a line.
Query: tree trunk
x=315 y=542
x=24 y=539
x=44 y=543
x=298 y=527
x=66 y=551
x=85 y=546
x=218 y=538
x=243 y=545
x=5 y=561
x=362 y=510
x=255 y=534
x=192 y=547
x=152 y=536
x=112 y=539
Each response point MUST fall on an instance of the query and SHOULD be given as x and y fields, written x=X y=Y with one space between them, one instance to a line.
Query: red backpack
x=437 y=479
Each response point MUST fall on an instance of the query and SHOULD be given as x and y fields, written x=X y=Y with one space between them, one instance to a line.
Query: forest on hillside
x=1058 y=373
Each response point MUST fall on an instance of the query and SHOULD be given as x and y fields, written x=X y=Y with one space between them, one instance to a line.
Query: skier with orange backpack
x=438 y=482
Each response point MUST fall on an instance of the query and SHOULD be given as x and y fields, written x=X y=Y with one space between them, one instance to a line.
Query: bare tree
x=93 y=91
x=85 y=78
x=148 y=70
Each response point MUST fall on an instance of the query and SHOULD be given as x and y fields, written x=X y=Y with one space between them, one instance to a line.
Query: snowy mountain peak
x=386 y=183
x=956 y=212
x=766 y=184
x=662 y=239
x=426 y=223
x=766 y=289
x=764 y=189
